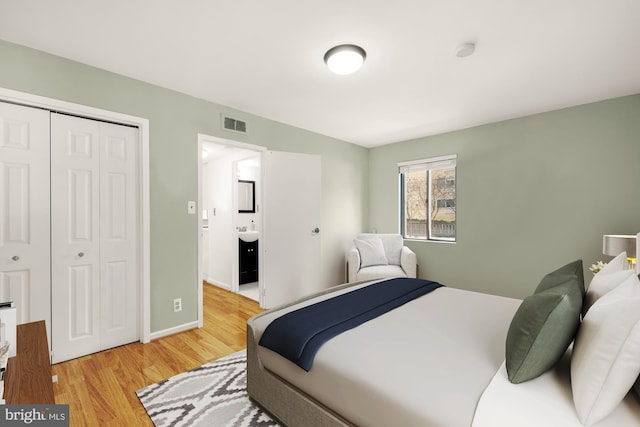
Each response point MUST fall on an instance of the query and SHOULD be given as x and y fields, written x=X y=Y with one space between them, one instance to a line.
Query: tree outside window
x=428 y=199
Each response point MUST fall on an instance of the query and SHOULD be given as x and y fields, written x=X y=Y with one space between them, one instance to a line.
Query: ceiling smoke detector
x=465 y=49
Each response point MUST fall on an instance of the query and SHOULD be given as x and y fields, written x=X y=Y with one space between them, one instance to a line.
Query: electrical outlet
x=177 y=305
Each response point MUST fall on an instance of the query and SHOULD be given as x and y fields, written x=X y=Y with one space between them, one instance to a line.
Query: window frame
x=428 y=165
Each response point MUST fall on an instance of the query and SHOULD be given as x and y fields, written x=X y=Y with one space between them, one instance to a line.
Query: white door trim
x=31 y=100
x=202 y=138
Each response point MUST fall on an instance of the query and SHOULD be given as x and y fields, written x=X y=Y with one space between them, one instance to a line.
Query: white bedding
x=424 y=364
x=543 y=401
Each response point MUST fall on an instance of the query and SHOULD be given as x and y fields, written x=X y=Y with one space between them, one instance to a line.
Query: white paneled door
x=94 y=236
x=24 y=211
x=119 y=272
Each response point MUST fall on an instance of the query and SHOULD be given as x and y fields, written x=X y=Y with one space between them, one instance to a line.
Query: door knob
x=315 y=230
x=80 y=254
x=15 y=258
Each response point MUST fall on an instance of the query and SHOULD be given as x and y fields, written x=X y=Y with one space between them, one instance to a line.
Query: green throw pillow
x=558 y=277
x=544 y=325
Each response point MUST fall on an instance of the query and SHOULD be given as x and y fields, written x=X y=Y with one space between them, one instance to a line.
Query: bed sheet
x=543 y=401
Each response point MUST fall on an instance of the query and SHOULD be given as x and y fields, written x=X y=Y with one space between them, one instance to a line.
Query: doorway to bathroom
x=230 y=222
x=267 y=204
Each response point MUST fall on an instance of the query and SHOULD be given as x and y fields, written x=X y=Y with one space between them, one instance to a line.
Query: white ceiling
x=266 y=57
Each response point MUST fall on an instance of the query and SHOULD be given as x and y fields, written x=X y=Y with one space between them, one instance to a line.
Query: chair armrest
x=353 y=264
x=409 y=262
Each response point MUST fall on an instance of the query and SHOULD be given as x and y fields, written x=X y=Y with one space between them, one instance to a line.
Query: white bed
x=435 y=361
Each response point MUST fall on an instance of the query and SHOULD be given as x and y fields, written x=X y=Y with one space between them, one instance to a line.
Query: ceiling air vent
x=229 y=123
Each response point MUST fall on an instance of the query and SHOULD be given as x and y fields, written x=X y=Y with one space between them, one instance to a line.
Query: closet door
x=94 y=236
x=75 y=237
x=119 y=287
x=24 y=211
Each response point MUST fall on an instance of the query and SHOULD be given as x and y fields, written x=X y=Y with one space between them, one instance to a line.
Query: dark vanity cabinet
x=248 y=261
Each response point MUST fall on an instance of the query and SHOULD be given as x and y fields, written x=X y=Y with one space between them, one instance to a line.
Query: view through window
x=428 y=199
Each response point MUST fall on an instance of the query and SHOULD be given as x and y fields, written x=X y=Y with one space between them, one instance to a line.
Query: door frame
x=202 y=138
x=37 y=101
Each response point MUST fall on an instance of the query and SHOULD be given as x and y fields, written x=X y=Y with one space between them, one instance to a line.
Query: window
x=446 y=203
x=428 y=199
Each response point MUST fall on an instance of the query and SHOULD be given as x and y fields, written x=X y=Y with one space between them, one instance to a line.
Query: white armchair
x=377 y=256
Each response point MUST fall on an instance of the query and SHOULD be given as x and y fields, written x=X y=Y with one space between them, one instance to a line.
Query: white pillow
x=605 y=362
x=371 y=252
x=603 y=283
x=618 y=263
x=393 y=248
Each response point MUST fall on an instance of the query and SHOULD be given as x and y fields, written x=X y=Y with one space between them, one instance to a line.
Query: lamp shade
x=613 y=244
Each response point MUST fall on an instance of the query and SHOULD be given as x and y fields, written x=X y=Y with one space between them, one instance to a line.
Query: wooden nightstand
x=28 y=377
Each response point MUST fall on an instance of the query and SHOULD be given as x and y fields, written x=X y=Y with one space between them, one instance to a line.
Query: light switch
x=191 y=207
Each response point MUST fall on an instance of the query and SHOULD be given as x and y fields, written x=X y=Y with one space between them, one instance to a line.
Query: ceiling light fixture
x=465 y=49
x=345 y=59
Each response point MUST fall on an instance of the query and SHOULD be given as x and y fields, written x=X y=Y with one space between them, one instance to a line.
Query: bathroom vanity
x=248 y=256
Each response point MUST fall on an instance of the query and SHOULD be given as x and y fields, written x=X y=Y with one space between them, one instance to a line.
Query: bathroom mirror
x=246 y=196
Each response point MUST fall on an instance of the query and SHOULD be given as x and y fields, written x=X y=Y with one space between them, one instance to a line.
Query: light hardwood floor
x=100 y=388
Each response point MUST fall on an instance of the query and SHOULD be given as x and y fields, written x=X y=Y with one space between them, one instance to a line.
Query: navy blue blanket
x=298 y=335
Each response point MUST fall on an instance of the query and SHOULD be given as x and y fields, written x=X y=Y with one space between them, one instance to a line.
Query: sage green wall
x=175 y=120
x=533 y=193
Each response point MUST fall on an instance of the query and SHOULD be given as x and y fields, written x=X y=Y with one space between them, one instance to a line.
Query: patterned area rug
x=214 y=394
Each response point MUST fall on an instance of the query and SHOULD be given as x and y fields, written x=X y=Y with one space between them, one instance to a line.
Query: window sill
x=448 y=242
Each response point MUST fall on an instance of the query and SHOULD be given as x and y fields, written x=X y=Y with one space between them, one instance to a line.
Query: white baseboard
x=174 y=330
x=218 y=283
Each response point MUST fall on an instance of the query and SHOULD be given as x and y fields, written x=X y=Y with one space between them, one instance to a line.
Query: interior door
x=118 y=235
x=24 y=211
x=292 y=199
x=75 y=237
x=94 y=239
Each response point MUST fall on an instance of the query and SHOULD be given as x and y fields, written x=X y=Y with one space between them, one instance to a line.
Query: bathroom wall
x=250 y=170
x=220 y=223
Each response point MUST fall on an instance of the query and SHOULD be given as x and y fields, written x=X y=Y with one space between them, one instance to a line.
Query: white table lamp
x=613 y=244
